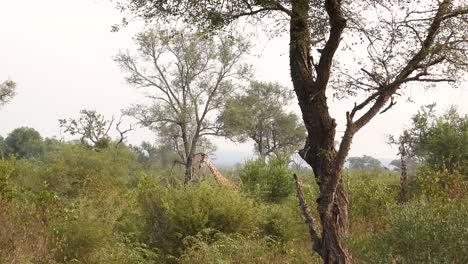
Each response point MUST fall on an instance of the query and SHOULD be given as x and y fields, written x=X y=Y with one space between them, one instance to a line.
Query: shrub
x=171 y=214
x=371 y=200
x=283 y=222
x=73 y=170
x=442 y=184
x=80 y=240
x=7 y=168
x=25 y=236
x=419 y=233
x=271 y=182
x=244 y=249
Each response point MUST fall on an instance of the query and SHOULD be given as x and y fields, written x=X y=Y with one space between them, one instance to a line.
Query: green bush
x=73 y=170
x=244 y=249
x=80 y=239
x=283 y=222
x=7 y=168
x=171 y=214
x=271 y=182
x=25 y=235
x=419 y=233
x=371 y=200
x=436 y=184
x=63 y=208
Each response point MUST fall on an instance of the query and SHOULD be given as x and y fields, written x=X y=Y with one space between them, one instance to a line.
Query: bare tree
x=189 y=76
x=93 y=129
x=398 y=43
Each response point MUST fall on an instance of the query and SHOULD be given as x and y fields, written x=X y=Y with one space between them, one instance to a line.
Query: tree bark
x=319 y=151
x=188 y=169
x=403 y=197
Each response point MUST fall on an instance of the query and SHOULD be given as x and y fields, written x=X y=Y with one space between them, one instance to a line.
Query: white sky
x=60 y=54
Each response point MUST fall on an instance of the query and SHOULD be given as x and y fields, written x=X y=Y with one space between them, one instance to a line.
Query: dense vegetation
x=372 y=51
x=71 y=203
x=98 y=200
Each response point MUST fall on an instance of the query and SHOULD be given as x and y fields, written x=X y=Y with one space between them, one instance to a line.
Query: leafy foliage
x=259 y=115
x=188 y=76
x=438 y=141
x=243 y=249
x=404 y=42
x=420 y=233
x=372 y=198
x=271 y=181
x=76 y=205
x=364 y=163
x=24 y=142
x=170 y=215
x=442 y=184
x=445 y=142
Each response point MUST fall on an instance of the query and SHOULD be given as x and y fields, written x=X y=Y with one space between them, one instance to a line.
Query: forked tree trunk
x=332 y=206
x=319 y=151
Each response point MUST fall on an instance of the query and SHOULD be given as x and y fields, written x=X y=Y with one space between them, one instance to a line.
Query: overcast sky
x=60 y=52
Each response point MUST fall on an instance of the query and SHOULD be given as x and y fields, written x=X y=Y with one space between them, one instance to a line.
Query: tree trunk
x=332 y=207
x=188 y=169
x=334 y=227
x=319 y=151
x=403 y=196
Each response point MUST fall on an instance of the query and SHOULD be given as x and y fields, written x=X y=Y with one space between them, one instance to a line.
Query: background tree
x=439 y=141
x=190 y=76
x=259 y=115
x=405 y=43
x=7 y=91
x=445 y=142
x=93 y=129
x=24 y=142
x=364 y=163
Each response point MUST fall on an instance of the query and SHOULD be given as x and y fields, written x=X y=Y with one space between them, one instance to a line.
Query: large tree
x=187 y=76
x=259 y=115
x=398 y=43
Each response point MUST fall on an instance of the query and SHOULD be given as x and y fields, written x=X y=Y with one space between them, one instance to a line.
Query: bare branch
x=122 y=132
x=392 y=103
x=310 y=221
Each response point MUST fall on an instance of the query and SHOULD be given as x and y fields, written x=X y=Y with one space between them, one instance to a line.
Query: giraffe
x=220 y=179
